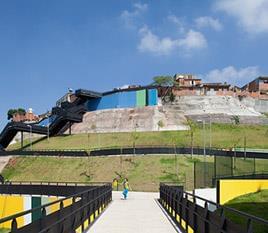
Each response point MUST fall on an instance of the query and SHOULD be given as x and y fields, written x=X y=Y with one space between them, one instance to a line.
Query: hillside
x=172 y=116
x=144 y=172
x=222 y=136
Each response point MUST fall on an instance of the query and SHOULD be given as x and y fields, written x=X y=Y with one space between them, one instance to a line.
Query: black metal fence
x=207 y=171
x=195 y=214
x=138 y=151
x=86 y=203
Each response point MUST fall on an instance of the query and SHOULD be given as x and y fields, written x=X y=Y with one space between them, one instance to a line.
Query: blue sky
x=48 y=46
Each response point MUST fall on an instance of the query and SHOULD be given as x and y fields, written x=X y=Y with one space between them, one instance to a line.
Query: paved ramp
x=139 y=214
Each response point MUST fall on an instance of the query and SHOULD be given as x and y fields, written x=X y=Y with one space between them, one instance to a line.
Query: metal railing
x=140 y=150
x=85 y=206
x=196 y=214
x=257 y=175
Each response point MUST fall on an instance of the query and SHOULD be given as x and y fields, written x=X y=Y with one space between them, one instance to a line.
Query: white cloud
x=174 y=19
x=209 y=22
x=140 y=7
x=232 y=75
x=252 y=15
x=193 y=40
x=163 y=46
x=129 y=17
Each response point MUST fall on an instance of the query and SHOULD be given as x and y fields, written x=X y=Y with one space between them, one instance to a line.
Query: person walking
x=126 y=188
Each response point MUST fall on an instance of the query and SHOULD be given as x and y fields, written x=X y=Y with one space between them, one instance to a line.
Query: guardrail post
x=206 y=215
x=180 y=206
x=172 y=205
x=176 y=206
x=187 y=213
x=249 y=226
x=223 y=221
x=14 y=225
x=73 y=223
x=59 y=216
x=195 y=215
x=43 y=214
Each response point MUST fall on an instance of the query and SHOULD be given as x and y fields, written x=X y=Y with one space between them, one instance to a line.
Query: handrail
x=185 y=194
x=83 y=206
x=139 y=150
x=96 y=148
x=8 y=218
x=37 y=182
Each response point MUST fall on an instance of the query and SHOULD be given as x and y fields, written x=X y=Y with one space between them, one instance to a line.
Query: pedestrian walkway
x=139 y=214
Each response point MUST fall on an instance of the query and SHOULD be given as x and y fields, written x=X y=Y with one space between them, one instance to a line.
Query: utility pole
x=245 y=146
x=205 y=159
x=21 y=139
x=204 y=149
x=31 y=143
x=210 y=136
x=48 y=128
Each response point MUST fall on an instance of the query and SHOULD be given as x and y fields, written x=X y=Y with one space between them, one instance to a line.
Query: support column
x=70 y=128
x=21 y=139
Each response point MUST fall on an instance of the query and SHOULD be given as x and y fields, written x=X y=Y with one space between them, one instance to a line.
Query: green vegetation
x=11 y=112
x=144 y=172
x=4 y=230
x=255 y=204
x=164 y=81
x=223 y=136
x=236 y=119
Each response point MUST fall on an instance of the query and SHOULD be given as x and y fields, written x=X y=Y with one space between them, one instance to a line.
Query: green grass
x=144 y=172
x=255 y=204
x=3 y=230
x=223 y=136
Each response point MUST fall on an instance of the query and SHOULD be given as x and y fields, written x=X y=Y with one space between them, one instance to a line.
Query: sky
x=48 y=46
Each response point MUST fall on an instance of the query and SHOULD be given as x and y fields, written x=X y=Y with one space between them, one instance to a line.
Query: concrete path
x=139 y=214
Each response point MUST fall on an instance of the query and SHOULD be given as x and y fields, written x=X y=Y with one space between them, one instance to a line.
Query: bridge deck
x=140 y=213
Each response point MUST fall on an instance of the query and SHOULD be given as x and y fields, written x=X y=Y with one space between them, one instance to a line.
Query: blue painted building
x=124 y=99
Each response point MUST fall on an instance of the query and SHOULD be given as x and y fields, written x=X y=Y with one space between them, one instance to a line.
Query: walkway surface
x=139 y=214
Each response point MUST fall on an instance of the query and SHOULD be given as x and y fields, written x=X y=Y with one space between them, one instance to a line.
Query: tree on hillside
x=192 y=127
x=21 y=111
x=236 y=119
x=11 y=112
x=160 y=124
x=135 y=137
x=163 y=81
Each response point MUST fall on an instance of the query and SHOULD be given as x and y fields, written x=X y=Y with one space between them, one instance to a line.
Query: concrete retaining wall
x=257 y=105
x=149 y=118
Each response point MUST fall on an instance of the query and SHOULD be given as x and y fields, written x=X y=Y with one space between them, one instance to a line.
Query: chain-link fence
x=207 y=172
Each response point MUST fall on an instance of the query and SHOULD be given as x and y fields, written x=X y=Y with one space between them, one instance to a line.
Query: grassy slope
x=2 y=230
x=223 y=136
x=254 y=204
x=144 y=172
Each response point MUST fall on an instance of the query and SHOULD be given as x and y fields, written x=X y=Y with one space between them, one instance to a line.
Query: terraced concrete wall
x=130 y=119
x=257 y=105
